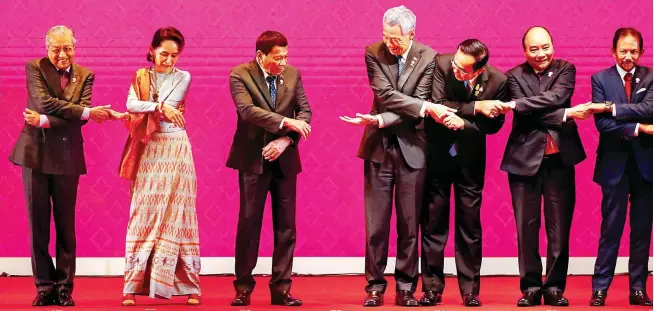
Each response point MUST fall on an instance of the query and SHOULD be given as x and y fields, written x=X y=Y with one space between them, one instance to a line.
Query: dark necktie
x=272 y=89
x=627 y=85
x=468 y=86
x=400 y=66
x=63 y=77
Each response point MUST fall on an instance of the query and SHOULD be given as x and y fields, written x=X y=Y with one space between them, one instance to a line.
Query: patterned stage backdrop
x=327 y=40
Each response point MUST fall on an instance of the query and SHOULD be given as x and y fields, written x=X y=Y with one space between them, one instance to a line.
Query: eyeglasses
x=459 y=68
x=66 y=49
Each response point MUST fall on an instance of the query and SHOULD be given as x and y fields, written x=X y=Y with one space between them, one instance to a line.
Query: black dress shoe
x=285 y=299
x=405 y=298
x=639 y=298
x=431 y=298
x=43 y=299
x=241 y=299
x=374 y=299
x=598 y=299
x=471 y=300
x=64 y=299
x=555 y=298
x=529 y=298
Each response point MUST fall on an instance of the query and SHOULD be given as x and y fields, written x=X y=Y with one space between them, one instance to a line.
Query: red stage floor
x=317 y=292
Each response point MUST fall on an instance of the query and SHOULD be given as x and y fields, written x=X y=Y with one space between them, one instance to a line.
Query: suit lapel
x=480 y=86
x=257 y=76
x=529 y=76
x=410 y=63
x=391 y=65
x=618 y=85
x=281 y=87
x=51 y=76
x=73 y=83
x=638 y=81
x=547 y=75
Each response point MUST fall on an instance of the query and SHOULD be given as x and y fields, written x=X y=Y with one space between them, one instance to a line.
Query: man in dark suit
x=50 y=150
x=458 y=158
x=400 y=73
x=540 y=155
x=273 y=112
x=624 y=164
x=456 y=148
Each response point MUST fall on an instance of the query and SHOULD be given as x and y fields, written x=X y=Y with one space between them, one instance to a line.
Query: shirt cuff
x=45 y=123
x=565 y=115
x=637 y=124
x=86 y=113
x=512 y=105
x=423 y=109
x=281 y=125
x=380 y=121
x=613 y=108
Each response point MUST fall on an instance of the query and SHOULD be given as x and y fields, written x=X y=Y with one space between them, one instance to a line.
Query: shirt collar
x=406 y=53
x=265 y=74
x=623 y=73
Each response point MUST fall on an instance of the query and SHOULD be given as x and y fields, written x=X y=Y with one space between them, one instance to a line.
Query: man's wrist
x=608 y=106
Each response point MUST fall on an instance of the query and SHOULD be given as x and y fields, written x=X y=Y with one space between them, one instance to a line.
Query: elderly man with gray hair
x=49 y=149
x=400 y=71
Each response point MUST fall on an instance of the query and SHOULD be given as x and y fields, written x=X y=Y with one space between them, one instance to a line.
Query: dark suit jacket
x=617 y=138
x=403 y=96
x=59 y=149
x=471 y=141
x=258 y=123
x=539 y=110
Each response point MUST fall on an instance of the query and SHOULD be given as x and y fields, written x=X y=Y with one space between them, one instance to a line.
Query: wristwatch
x=608 y=106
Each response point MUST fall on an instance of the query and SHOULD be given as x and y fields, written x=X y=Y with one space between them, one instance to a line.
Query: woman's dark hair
x=163 y=34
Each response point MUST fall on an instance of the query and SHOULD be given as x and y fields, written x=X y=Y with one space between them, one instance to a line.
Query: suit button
x=65 y=139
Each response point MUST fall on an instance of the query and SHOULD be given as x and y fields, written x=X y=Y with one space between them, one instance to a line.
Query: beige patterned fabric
x=162 y=258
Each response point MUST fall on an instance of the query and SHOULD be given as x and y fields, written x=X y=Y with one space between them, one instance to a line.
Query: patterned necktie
x=63 y=78
x=400 y=66
x=272 y=89
x=627 y=85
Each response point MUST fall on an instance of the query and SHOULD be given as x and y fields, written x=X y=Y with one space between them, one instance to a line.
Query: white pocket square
x=641 y=90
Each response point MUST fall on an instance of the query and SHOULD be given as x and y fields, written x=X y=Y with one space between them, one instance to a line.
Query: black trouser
x=554 y=185
x=40 y=190
x=381 y=181
x=435 y=222
x=254 y=189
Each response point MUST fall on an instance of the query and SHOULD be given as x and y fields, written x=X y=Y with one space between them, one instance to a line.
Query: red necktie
x=550 y=144
x=627 y=85
x=63 y=74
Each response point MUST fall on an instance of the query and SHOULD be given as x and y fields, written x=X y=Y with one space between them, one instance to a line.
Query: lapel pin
x=637 y=80
x=74 y=79
x=549 y=74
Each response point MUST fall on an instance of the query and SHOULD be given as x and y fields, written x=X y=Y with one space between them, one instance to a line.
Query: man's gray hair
x=59 y=29
x=400 y=15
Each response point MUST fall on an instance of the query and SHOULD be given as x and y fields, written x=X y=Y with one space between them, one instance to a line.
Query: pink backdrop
x=327 y=40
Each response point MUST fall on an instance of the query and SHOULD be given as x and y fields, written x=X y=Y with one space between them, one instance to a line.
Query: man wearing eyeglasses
x=540 y=155
x=457 y=158
x=50 y=150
